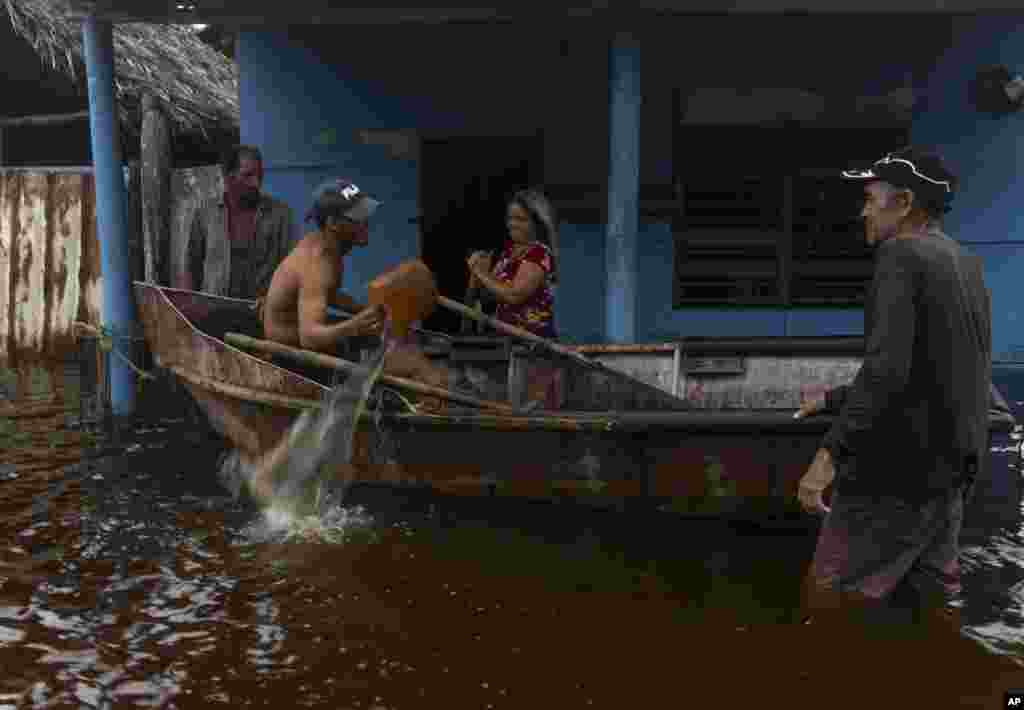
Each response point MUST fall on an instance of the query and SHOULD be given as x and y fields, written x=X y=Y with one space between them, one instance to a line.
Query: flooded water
x=132 y=579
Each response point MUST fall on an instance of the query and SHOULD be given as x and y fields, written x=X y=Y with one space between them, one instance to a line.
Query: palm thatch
x=197 y=85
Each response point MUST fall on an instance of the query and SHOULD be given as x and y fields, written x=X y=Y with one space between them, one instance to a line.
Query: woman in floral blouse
x=522 y=282
x=523 y=278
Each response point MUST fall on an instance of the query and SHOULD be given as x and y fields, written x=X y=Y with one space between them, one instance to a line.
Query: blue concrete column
x=623 y=190
x=118 y=312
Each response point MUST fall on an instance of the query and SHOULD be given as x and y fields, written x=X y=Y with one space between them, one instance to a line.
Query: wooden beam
x=57 y=169
x=304 y=15
x=136 y=248
x=59 y=119
x=317 y=13
x=156 y=160
x=320 y=12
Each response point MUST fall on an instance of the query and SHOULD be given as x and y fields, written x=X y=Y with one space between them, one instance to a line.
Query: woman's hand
x=479 y=262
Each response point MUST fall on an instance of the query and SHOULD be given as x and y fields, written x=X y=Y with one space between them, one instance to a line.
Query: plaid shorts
x=870 y=546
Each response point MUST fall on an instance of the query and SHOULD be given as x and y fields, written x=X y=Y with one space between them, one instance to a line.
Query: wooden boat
x=728 y=444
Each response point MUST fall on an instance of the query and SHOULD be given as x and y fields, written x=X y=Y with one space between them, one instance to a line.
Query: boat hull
x=697 y=460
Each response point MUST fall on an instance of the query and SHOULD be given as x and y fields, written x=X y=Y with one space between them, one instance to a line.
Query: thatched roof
x=197 y=85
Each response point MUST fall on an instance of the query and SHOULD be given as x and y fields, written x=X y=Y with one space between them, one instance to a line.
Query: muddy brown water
x=128 y=579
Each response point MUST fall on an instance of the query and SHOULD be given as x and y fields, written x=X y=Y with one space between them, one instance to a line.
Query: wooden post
x=156 y=191
x=138 y=262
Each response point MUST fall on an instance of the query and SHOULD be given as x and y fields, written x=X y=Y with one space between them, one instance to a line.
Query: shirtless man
x=307 y=281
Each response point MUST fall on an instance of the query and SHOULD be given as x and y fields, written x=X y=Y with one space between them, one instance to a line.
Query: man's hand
x=369 y=321
x=814 y=483
x=809 y=407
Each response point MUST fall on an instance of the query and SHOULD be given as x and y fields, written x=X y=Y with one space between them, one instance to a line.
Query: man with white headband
x=912 y=428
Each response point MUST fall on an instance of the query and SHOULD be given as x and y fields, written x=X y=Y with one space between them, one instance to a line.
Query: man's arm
x=996 y=403
x=320 y=281
x=836 y=397
x=887 y=358
x=345 y=302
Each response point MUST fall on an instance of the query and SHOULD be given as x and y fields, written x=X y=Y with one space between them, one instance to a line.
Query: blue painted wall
x=987 y=155
x=303 y=114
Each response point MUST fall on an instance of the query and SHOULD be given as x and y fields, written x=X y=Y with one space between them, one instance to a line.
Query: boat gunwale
x=688 y=345
x=693 y=421
x=716 y=422
x=206 y=336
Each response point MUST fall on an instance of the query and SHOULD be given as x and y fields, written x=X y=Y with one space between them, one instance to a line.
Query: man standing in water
x=912 y=428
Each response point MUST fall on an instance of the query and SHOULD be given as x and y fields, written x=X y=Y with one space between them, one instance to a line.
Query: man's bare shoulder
x=305 y=251
x=295 y=263
x=310 y=246
x=311 y=258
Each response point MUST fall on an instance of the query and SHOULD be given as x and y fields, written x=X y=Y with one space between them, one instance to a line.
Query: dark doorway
x=465 y=183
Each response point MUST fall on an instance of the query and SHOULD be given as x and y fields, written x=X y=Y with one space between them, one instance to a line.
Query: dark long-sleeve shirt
x=918 y=407
x=997 y=406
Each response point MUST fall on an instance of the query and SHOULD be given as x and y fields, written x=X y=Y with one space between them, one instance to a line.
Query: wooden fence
x=50 y=269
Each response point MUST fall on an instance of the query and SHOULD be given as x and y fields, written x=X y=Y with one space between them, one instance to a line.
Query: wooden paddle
x=518 y=332
x=336 y=363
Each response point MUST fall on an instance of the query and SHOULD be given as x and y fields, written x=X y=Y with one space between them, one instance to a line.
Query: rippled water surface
x=133 y=580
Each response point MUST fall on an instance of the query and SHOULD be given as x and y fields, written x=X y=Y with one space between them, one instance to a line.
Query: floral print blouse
x=537 y=313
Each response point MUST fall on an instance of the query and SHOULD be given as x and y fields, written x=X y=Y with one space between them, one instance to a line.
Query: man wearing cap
x=309 y=280
x=912 y=428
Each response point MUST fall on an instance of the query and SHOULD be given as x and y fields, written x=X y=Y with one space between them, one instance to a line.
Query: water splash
x=334 y=525
x=299 y=502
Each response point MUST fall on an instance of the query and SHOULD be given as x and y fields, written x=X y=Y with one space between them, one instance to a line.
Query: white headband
x=888 y=160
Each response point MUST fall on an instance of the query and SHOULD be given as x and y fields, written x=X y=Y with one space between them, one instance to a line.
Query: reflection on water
x=134 y=580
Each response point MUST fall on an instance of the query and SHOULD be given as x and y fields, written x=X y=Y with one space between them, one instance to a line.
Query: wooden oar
x=518 y=332
x=336 y=363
